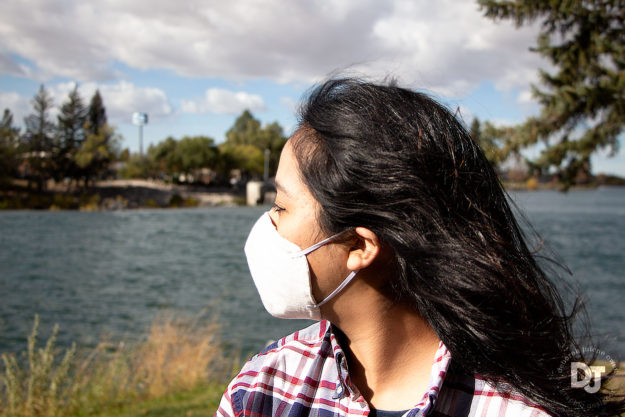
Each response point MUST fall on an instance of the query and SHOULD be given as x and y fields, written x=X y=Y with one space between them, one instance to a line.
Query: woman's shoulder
x=472 y=395
x=298 y=364
x=293 y=356
x=309 y=337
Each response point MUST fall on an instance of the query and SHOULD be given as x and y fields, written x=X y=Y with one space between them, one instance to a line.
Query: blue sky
x=194 y=66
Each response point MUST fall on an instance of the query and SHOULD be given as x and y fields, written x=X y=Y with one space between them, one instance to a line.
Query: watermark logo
x=587 y=376
x=590 y=376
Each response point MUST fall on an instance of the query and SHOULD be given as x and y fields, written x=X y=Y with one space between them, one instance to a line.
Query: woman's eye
x=276 y=208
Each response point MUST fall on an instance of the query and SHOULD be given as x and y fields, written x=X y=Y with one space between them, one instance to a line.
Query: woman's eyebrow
x=281 y=188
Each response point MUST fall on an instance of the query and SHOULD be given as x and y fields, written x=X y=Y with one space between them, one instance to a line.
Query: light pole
x=266 y=171
x=140 y=119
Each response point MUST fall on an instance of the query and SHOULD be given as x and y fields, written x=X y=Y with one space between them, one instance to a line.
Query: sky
x=193 y=66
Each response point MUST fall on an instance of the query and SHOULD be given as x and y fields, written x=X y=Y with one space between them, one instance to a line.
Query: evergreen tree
x=486 y=135
x=97 y=113
x=71 y=123
x=40 y=137
x=582 y=101
x=97 y=152
x=100 y=145
x=8 y=147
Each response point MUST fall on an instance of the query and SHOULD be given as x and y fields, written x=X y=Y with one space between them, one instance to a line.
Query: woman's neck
x=390 y=350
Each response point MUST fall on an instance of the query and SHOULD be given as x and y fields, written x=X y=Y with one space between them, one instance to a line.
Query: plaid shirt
x=305 y=374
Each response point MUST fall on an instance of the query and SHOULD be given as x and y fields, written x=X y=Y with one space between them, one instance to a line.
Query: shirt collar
x=440 y=364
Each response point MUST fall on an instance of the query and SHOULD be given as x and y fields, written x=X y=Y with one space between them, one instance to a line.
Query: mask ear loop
x=343 y=284
x=338 y=289
x=317 y=245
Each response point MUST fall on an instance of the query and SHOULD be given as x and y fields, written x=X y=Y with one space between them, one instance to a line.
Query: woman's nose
x=274 y=218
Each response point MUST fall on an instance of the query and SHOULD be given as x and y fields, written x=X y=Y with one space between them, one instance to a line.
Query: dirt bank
x=143 y=193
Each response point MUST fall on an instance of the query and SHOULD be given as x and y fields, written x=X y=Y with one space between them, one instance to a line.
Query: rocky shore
x=119 y=195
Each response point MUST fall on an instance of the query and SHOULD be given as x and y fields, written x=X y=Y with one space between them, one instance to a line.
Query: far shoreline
x=120 y=195
x=129 y=194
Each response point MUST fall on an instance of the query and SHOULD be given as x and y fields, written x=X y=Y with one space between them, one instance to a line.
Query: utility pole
x=266 y=171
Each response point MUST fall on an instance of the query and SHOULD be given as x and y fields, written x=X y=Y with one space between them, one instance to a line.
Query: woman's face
x=295 y=215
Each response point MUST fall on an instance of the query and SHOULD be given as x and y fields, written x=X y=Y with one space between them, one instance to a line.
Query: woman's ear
x=364 y=251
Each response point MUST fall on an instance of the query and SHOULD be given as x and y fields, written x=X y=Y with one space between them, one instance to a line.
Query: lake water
x=111 y=273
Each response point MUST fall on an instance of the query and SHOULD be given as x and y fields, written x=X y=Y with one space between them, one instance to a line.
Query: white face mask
x=280 y=271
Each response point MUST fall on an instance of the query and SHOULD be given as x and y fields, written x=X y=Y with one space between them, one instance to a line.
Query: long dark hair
x=400 y=164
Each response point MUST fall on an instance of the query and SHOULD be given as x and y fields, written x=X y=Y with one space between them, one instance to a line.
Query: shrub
x=44 y=388
x=175 y=201
x=150 y=202
x=531 y=183
x=190 y=202
x=89 y=202
x=177 y=355
x=62 y=202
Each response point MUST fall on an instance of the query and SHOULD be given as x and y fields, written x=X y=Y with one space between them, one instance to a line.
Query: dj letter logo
x=588 y=373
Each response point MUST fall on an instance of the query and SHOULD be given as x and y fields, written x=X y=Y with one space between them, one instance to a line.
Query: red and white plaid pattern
x=305 y=374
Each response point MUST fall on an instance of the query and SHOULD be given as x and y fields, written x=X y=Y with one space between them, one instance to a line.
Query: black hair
x=400 y=164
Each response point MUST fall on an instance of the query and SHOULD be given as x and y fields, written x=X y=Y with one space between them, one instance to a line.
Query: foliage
x=81 y=146
x=196 y=152
x=89 y=202
x=488 y=137
x=247 y=158
x=184 y=156
x=164 y=157
x=9 y=137
x=178 y=355
x=96 y=115
x=43 y=388
x=136 y=166
x=40 y=137
x=247 y=131
x=202 y=400
x=97 y=151
x=243 y=150
x=71 y=121
x=582 y=101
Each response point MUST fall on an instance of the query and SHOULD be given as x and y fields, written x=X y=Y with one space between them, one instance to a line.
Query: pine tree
x=486 y=135
x=40 y=137
x=8 y=146
x=100 y=146
x=582 y=101
x=97 y=152
x=97 y=113
x=71 y=123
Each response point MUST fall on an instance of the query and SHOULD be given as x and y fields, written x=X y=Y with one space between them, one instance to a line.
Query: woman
x=392 y=229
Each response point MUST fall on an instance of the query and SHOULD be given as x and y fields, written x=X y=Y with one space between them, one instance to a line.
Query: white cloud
x=445 y=46
x=219 y=100
x=124 y=98
x=501 y=122
x=290 y=104
x=8 y=65
x=19 y=106
x=120 y=100
x=525 y=96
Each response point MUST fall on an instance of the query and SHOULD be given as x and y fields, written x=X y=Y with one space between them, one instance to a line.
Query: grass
x=200 y=401
x=177 y=369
